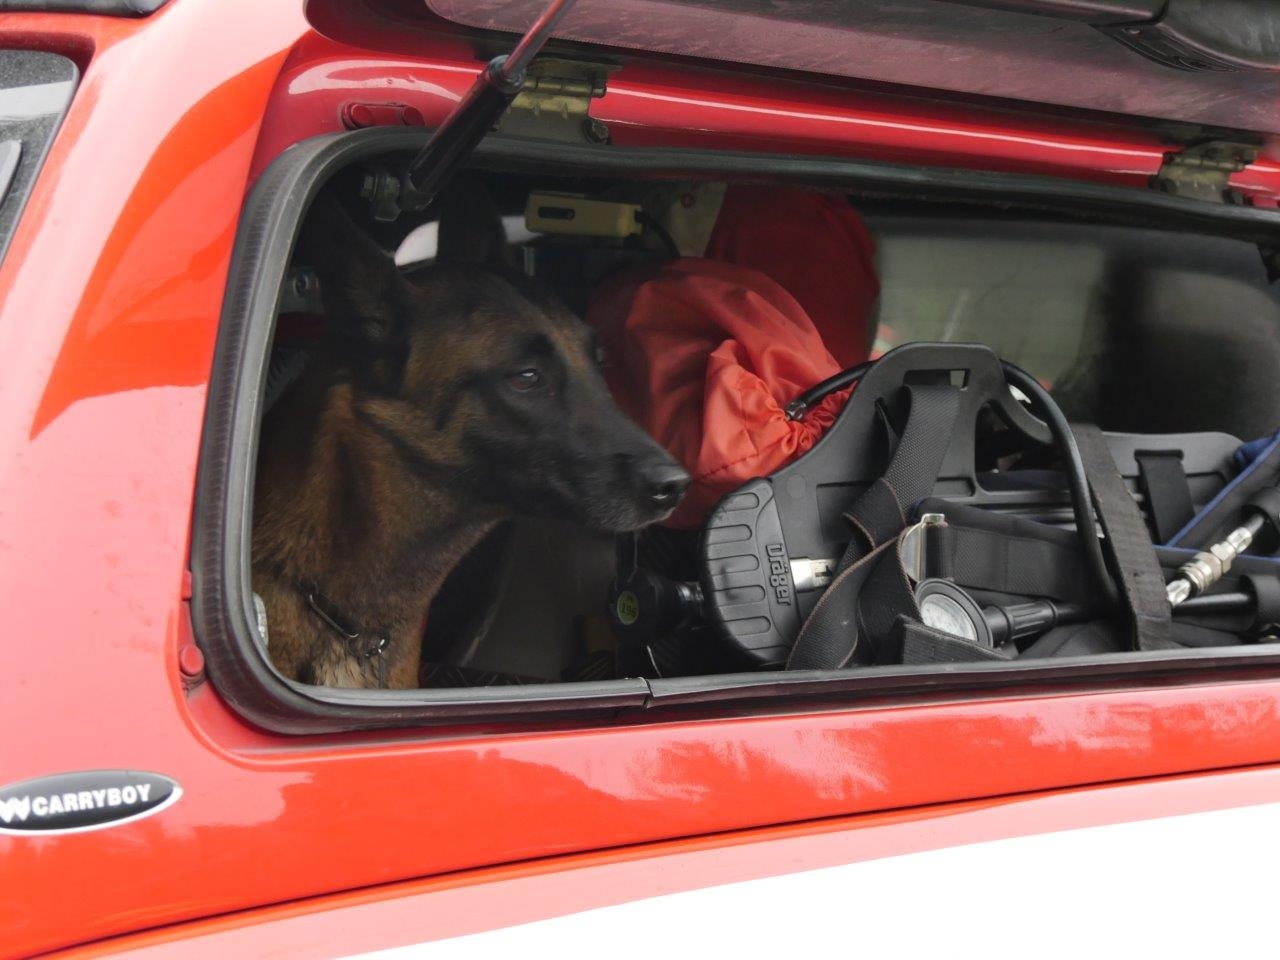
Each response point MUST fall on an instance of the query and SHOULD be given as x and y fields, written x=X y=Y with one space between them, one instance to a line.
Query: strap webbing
x=922 y=645
x=840 y=630
x=1141 y=580
x=1168 y=493
x=999 y=561
x=985 y=550
x=880 y=513
x=832 y=637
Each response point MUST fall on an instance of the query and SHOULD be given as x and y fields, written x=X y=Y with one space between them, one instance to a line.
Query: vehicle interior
x=1105 y=316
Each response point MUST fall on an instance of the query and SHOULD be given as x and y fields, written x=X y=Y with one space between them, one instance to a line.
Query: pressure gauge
x=948 y=609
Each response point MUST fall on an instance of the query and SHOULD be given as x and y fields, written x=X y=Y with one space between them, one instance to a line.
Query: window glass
x=35 y=90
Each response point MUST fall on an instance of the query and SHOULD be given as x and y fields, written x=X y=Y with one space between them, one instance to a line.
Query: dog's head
x=479 y=379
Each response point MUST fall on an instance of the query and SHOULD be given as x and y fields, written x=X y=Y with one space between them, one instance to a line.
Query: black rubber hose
x=1235 y=602
x=797 y=407
x=1077 y=481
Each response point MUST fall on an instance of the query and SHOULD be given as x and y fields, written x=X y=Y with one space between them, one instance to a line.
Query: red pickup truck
x=1089 y=188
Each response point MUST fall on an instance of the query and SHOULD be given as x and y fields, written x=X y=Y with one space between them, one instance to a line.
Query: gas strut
x=475 y=115
x=1261 y=524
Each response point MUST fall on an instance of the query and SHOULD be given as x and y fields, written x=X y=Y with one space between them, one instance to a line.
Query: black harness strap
x=881 y=512
x=830 y=638
x=843 y=629
x=990 y=560
x=1141 y=580
x=889 y=597
x=922 y=645
x=1168 y=494
x=989 y=551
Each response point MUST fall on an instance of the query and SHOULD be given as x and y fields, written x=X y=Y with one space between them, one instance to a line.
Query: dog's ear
x=359 y=281
x=471 y=229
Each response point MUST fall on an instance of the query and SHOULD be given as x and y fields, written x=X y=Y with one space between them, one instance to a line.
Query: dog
x=433 y=408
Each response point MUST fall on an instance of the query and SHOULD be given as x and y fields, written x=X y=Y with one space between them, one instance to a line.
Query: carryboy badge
x=88 y=800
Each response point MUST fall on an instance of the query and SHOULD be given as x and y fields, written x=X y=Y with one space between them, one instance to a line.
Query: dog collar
x=365 y=644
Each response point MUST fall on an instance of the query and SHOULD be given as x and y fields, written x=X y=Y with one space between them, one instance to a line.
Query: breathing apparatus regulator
x=881 y=545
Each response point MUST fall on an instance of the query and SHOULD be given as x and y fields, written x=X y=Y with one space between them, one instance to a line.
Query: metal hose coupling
x=1208 y=566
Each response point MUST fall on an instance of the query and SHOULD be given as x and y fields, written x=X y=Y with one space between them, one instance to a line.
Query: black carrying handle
x=1007 y=406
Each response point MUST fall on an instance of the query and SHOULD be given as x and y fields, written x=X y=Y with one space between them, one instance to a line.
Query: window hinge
x=556 y=99
x=1202 y=171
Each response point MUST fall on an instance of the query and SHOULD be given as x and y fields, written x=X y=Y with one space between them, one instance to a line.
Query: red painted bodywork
x=109 y=304
x=474 y=901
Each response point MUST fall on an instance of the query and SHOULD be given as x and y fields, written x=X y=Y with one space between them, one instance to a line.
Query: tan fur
x=381 y=570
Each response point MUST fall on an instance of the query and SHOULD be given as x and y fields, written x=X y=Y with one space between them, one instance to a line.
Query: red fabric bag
x=704 y=356
x=816 y=247
x=706 y=353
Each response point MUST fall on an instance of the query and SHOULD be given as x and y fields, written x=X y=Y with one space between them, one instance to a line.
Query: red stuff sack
x=816 y=246
x=704 y=356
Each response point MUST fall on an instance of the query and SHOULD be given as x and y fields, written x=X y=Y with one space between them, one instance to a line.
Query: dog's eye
x=524 y=380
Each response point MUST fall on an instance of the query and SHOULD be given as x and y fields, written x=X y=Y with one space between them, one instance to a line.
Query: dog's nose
x=664 y=483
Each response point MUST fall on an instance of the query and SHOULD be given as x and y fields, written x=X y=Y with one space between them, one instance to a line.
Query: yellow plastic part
x=574 y=215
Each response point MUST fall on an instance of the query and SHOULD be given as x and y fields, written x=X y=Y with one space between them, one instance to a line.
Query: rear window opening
x=1119 y=304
